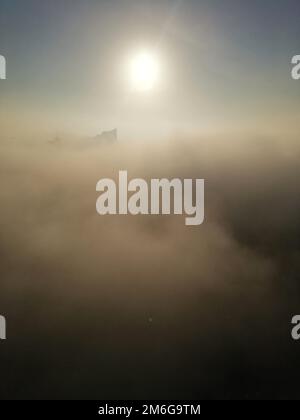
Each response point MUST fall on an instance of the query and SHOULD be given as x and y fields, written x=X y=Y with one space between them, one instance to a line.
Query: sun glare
x=144 y=70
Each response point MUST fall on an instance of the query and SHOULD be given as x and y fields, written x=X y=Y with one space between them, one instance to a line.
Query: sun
x=144 y=70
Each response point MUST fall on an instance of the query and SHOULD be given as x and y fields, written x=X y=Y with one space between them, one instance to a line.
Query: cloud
x=144 y=306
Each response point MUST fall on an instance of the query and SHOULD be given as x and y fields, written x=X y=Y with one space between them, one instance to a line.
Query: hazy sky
x=142 y=307
x=223 y=63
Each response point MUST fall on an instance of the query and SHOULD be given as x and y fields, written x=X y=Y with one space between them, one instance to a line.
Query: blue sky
x=223 y=58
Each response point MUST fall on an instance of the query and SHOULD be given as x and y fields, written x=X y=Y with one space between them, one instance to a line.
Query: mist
x=132 y=307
